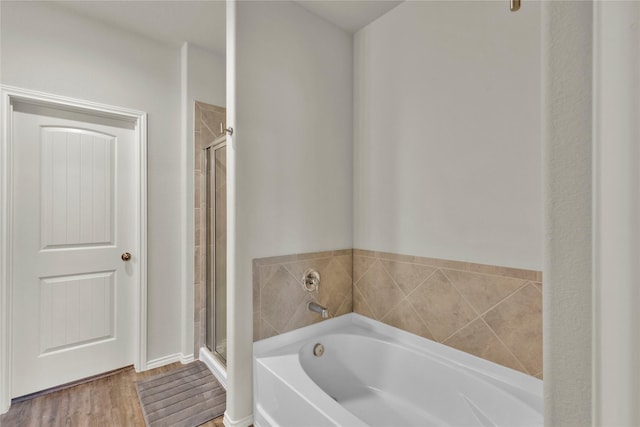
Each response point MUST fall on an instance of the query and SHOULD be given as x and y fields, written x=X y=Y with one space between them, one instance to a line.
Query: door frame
x=616 y=204
x=8 y=94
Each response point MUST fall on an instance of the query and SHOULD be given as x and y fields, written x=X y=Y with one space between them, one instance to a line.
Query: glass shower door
x=216 y=248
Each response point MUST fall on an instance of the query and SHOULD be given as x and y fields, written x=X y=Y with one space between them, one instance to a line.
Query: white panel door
x=73 y=217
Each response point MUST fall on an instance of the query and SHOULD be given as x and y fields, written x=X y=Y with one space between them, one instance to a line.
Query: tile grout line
x=203 y=122
x=267 y=279
x=364 y=301
x=416 y=311
x=461 y=328
x=393 y=308
x=481 y=315
x=262 y=285
x=421 y=320
x=422 y=283
x=433 y=265
x=289 y=322
x=505 y=346
x=344 y=300
x=355 y=282
x=344 y=269
x=460 y=293
x=262 y=319
x=294 y=258
x=538 y=288
x=386 y=270
x=394 y=284
x=504 y=276
x=466 y=301
x=380 y=255
x=524 y=285
x=494 y=332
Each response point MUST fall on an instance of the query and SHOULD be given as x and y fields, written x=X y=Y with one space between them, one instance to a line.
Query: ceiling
x=202 y=22
x=172 y=22
x=350 y=15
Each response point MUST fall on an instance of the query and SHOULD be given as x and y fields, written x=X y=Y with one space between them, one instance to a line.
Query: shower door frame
x=218 y=143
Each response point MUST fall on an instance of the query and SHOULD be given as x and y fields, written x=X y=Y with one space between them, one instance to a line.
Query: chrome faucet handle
x=310 y=280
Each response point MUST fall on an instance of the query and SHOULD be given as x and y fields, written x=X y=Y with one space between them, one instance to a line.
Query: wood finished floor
x=108 y=402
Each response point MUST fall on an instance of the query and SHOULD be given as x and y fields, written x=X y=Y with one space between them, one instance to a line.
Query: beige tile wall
x=280 y=302
x=491 y=312
x=207 y=119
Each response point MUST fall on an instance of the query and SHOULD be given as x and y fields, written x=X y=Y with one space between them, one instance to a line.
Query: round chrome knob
x=125 y=256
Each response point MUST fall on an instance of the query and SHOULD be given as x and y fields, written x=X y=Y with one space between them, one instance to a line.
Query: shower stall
x=216 y=247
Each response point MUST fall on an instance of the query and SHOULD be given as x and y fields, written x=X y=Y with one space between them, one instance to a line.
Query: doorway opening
x=73 y=257
x=210 y=227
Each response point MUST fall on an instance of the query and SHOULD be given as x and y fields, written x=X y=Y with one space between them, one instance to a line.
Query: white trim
x=164 y=360
x=244 y=422
x=616 y=214
x=141 y=303
x=239 y=410
x=5 y=258
x=186 y=359
x=139 y=119
x=217 y=369
x=169 y=359
x=187 y=304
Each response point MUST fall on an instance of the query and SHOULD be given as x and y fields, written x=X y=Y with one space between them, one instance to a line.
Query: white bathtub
x=372 y=374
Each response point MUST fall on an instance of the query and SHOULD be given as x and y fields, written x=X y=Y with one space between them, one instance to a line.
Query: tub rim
x=523 y=387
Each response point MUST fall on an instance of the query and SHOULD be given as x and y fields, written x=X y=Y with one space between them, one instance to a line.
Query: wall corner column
x=239 y=412
x=567 y=29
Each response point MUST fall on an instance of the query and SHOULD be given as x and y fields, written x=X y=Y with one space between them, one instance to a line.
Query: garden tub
x=354 y=371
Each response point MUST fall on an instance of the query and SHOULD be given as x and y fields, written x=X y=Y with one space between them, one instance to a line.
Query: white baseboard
x=171 y=358
x=5 y=406
x=244 y=422
x=217 y=369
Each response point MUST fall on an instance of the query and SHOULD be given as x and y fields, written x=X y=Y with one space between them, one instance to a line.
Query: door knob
x=125 y=256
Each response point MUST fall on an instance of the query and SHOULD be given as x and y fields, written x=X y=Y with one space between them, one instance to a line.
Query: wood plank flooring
x=108 y=402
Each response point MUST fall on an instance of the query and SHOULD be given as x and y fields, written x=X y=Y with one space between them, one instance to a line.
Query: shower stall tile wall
x=279 y=300
x=491 y=312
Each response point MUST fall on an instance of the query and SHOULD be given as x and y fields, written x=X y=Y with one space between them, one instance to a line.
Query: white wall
x=206 y=76
x=295 y=118
x=203 y=79
x=567 y=36
x=447 y=149
x=293 y=155
x=50 y=49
